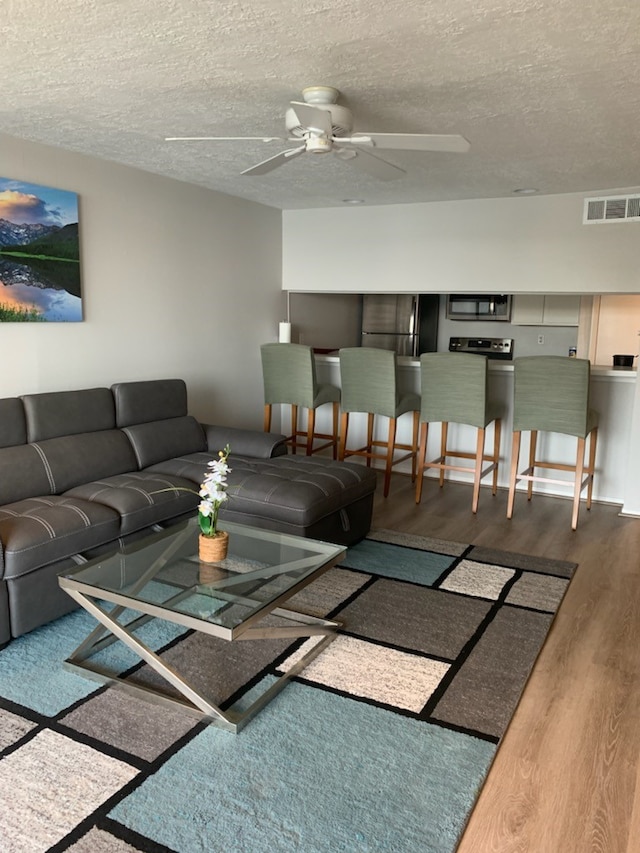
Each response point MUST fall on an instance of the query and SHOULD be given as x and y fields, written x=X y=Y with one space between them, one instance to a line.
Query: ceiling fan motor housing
x=341 y=121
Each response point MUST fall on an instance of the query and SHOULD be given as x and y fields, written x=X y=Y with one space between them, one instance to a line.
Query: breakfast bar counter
x=613 y=396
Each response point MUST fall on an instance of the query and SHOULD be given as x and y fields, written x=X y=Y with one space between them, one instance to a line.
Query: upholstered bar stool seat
x=454 y=390
x=289 y=377
x=369 y=381
x=551 y=394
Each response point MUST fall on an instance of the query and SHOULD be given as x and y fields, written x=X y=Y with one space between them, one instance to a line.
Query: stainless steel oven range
x=499 y=348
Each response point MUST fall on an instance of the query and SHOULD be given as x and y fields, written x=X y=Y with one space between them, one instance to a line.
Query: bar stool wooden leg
x=344 y=428
x=311 y=428
x=443 y=449
x=391 y=441
x=592 y=464
x=414 y=445
x=267 y=417
x=578 y=482
x=422 y=452
x=533 y=443
x=477 y=470
x=497 y=432
x=370 y=424
x=515 y=453
x=336 y=415
x=294 y=427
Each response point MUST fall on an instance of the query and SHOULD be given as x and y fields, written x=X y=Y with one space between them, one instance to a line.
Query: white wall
x=513 y=245
x=178 y=281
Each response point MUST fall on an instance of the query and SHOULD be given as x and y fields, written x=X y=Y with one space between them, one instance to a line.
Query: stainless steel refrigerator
x=402 y=322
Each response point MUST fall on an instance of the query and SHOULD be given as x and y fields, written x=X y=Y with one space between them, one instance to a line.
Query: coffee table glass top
x=162 y=575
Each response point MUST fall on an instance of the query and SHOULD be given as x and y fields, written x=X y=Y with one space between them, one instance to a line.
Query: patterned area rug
x=382 y=744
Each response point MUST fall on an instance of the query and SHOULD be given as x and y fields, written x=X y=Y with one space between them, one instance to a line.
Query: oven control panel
x=491 y=347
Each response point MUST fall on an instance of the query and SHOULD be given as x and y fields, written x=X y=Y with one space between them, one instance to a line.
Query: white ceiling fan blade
x=451 y=142
x=223 y=138
x=369 y=163
x=314 y=118
x=273 y=162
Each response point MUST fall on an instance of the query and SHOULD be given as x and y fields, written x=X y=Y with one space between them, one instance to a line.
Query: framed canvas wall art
x=39 y=254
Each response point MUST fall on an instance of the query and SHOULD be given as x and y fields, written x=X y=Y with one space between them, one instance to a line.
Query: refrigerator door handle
x=414 y=325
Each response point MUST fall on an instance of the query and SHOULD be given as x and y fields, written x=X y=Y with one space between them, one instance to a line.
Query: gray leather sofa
x=82 y=471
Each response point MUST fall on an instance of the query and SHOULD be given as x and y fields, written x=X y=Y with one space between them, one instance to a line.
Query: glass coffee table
x=161 y=577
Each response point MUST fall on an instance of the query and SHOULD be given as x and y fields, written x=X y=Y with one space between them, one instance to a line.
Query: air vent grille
x=611 y=209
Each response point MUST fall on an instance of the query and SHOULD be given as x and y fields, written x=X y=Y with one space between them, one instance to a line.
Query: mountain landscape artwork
x=39 y=254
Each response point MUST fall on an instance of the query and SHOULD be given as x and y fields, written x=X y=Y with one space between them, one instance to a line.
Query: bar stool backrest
x=551 y=393
x=454 y=388
x=289 y=374
x=368 y=380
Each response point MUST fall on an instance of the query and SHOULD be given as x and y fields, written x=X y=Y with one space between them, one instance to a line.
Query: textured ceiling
x=546 y=91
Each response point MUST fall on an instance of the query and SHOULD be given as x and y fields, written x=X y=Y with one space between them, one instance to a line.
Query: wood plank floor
x=566 y=778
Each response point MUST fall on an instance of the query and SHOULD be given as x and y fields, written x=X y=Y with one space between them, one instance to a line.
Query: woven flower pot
x=212 y=549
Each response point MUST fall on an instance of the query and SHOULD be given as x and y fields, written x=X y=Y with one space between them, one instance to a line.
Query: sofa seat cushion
x=189 y=466
x=297 y=490
x=42 y=530
x=141 y=499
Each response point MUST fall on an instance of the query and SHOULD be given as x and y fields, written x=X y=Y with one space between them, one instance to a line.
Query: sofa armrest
x=245 y=442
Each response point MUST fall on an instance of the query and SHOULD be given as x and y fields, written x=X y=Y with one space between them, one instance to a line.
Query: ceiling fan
x=321 y=126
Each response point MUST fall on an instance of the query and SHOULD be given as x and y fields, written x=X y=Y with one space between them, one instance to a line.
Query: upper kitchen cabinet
x=539 y=310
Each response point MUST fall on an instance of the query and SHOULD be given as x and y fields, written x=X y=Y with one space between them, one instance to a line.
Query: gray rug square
x=12 y=728
x=394 y=612
x=139 y=728
x=487 y=686
x=214 y=667
x=327 y=592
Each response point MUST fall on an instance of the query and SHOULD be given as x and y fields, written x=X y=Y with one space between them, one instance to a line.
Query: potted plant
x=213 y=543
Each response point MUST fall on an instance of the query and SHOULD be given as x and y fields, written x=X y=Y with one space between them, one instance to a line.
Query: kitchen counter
x=613 y=395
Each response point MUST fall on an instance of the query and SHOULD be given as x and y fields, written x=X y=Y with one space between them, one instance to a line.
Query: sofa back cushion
x=73 y=460
x=23 y=474
x=161 y=440
x=13 y=427
x=73 y=440
x=151 y=400
x=68 y=413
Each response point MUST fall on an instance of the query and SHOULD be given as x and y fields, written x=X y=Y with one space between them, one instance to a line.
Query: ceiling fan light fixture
x=318 y=144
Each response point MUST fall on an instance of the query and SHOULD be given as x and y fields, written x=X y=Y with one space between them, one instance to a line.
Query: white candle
x=284 y=334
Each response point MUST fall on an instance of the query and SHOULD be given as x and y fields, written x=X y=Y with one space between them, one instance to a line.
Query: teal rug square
x=398 y=562
x=314 y=772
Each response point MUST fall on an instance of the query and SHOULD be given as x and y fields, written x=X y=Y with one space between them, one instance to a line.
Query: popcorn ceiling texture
x=546 y=92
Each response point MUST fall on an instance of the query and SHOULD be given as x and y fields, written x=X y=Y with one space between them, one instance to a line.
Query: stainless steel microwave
x=465 y=306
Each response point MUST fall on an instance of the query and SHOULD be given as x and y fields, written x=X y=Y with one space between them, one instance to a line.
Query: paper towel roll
x=284 y=334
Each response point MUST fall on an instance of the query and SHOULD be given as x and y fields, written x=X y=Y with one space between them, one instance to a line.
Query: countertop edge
x=496 y=366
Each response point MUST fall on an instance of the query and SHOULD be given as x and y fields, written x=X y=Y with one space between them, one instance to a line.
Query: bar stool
x=289 y=377
x=551 y=394
x=454 y=390
x=368 y=378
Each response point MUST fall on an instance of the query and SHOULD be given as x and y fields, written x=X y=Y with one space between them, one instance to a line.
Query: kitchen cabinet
x=540 y=310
